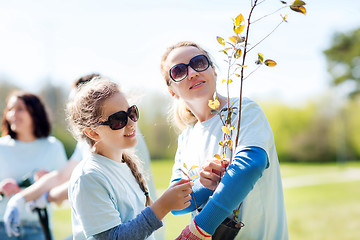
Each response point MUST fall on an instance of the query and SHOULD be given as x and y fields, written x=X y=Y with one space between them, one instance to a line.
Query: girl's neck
x=115 y=155
x=201 y=109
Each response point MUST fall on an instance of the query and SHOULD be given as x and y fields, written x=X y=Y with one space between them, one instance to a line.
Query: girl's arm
x=141 y=227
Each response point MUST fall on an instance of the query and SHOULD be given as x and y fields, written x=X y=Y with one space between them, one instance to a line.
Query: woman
x=108 y=195
x=25 y=148
x=252 y=179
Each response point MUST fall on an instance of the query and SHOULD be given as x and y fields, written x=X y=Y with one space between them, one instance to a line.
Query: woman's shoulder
x=5 y=140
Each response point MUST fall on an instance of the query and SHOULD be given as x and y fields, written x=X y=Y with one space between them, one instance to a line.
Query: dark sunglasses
x=180 y=71
x=119 y=119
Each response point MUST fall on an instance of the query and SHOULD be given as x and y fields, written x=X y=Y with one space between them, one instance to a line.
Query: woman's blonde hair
x=85 y=110
x=181 y=115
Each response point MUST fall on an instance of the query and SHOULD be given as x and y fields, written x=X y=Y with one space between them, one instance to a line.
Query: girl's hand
x=9 y=187
x=176 y=197
x=211 y=173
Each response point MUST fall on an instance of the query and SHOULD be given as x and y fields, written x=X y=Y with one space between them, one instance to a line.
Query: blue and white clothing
x=262 y=210
x=19 y=160
x=104 y=194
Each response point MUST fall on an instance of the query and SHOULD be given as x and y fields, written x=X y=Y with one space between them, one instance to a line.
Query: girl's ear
x=172 y=93
x=91 y=133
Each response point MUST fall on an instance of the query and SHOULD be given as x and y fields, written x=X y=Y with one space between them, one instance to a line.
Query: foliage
x=236 y=49
x=343 y=59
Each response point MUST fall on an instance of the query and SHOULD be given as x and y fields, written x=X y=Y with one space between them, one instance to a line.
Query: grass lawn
x=326 y=211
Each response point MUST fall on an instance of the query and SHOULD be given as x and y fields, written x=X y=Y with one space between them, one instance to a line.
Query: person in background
x=26 y=149
x=108 y=195
x=53 y=186
x=252 y=179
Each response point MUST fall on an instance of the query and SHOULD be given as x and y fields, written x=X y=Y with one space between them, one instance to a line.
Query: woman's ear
x=91 y=133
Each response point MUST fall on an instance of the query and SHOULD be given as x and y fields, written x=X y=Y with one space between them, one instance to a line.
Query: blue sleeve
x=201 y=194
x=246 y=168
x=146 y=221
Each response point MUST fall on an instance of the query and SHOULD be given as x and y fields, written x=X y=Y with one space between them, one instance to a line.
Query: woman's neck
x=201 y=109
x=25 y=137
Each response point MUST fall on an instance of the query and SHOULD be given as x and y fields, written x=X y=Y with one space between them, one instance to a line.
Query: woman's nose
x=191 y=73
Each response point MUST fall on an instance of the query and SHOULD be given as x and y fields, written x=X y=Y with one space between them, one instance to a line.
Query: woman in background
x=26 y=150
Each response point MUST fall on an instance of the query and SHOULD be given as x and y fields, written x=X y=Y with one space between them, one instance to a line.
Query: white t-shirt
x=19 y=159
x=82 y=149
x=263 y=210
x=103 y=194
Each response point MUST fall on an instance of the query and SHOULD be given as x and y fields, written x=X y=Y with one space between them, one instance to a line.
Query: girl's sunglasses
x=180 y=71
x=119 y=119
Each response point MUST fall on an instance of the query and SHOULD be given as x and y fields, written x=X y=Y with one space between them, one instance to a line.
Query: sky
x=60 y=41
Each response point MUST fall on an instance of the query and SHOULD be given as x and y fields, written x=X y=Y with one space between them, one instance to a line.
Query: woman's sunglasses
x=119 y=119
x=180 y=71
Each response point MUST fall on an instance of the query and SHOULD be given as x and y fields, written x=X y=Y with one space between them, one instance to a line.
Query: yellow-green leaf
x=193 y=177
x=229 y=143
x=221 y=40
x=299 y=9
x=234 y=39
x=238 y=20
x=237 y=53
x=221 y=143
x=214 y=104
x=224 y=80
x=298 y=3
x=239 y=29
x=270 y=63
x=284 y=17
x=229 y=81
x=185 y=165
x=260 y=57
x=225 y=129
x=193 y=167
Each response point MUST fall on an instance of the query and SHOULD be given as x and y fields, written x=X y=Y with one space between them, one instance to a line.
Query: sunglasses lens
x=118 y=120
x=133 y=113
x=199 y=63
x=178 y=72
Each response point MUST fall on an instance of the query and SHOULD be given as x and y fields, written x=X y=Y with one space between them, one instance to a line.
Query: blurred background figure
x=26 y=152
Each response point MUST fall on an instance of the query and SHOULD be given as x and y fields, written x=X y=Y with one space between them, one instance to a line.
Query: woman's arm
x=247 y=167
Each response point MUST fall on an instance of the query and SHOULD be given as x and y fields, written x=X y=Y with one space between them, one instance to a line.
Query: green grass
x=327 y=211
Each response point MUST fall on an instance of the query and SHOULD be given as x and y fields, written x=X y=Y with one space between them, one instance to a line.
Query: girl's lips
x=197 y=84
x=131 y=134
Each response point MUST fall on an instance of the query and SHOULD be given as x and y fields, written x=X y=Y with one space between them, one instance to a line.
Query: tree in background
x=343 y=59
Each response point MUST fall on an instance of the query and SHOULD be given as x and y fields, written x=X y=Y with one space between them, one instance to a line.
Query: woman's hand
x=176 y=197
x=39 y=173
x=9 y=186
x=212 y=172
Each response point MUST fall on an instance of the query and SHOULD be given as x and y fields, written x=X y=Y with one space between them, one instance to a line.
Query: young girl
x=108 y=194
x=252 y=179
